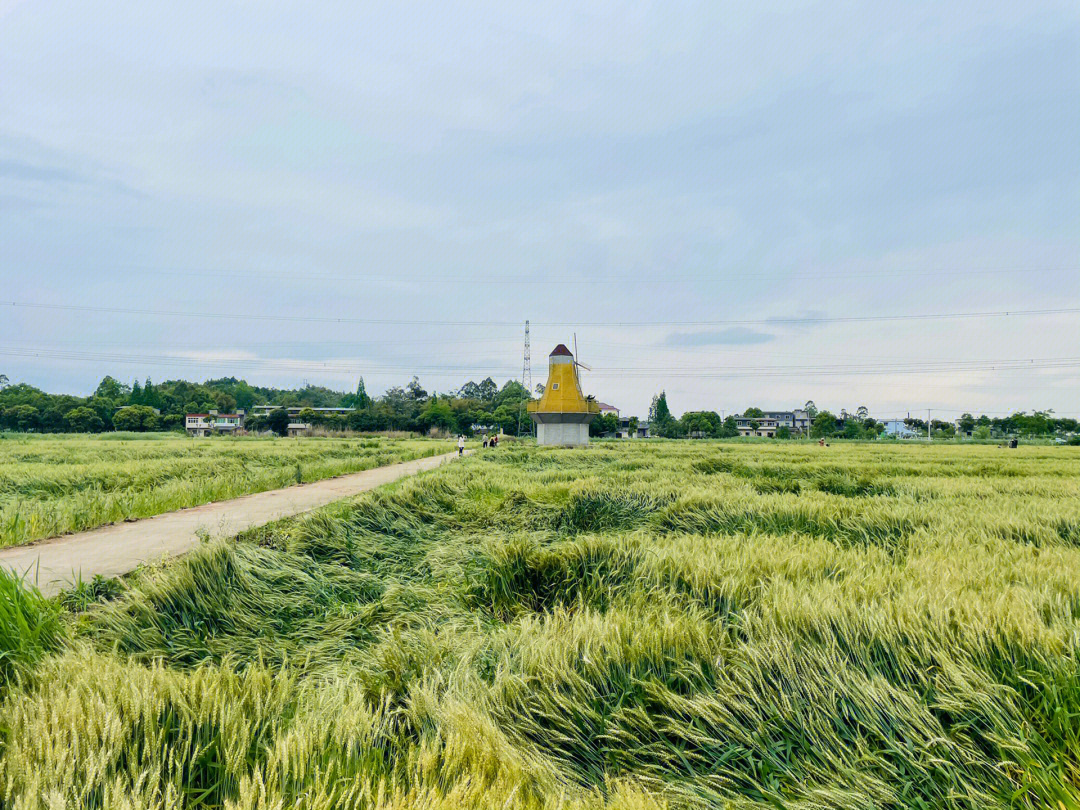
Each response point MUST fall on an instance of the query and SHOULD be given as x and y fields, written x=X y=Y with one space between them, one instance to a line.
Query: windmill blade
x=576 y=362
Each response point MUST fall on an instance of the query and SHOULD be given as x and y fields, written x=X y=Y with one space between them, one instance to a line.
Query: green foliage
x=29 y=626
x=85 y=593
x=604 y=425
x=753 y=413
x=136 y=418
x=701 y=424
x=278 y=421
x=661 y=422
x=638 y=625
x=84 y=420
x=823 y=426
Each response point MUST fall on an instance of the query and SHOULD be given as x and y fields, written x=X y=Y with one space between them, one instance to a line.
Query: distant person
x=461 y=445
x=485 y=442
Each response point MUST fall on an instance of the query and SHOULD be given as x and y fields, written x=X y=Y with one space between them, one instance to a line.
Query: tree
x=824 y=425
x=136 y=397
x=604 y=424
x=470 y=390
x=783 y=432
x=697 y=424
x=506 y=417
x=225 y=403
x=730 y=428
x=3 y=381
x=632 y=426
x=362 y=398
x=110 y=389
x=661 y=422
x=137 y=418
x=862 y=413
x=487 y=390
x=982 y=432
x=416 y=391
x=170 y=421
x=512 y=394
x=278 y=421
x=83 y=420
x=753 y=413
x=810 y=408
x=150 y=395
x=438 y=414
x=852 y=429
x=22 y=417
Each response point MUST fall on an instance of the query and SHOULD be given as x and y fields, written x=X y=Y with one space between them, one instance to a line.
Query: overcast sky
x=733 y=167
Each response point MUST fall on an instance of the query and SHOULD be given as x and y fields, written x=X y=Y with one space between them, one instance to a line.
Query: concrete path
x=119 y=548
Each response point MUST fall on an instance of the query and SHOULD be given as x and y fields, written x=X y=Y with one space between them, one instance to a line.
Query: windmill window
x=555 y=387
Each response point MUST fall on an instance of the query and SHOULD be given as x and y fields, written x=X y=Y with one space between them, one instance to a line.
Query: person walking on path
x=461 y=445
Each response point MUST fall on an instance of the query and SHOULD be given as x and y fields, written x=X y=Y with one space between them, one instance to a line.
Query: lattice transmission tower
x=526 y=378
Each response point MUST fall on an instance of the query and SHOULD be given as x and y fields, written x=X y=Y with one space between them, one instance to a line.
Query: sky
x=741 y=204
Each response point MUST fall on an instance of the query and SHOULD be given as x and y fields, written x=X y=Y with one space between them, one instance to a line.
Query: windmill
x=562 y=415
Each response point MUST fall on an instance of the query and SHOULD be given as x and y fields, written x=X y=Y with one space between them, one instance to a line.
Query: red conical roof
x=560 y=351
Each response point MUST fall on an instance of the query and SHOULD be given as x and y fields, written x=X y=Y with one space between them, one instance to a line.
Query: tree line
x=854 y=425
x=148 y=406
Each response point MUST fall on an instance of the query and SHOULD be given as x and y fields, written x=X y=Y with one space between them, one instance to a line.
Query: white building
x=203 y=424
x=899 y=429
x=797 y=421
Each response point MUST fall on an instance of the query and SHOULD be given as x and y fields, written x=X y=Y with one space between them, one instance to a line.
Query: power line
x=489 y=323
x=543 y=278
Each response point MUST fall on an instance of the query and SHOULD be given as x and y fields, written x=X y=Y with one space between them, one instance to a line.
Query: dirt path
x=119 y=548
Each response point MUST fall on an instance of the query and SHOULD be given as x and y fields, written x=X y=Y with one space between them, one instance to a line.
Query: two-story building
x=608 y=409
x=797 y=421
x=203 y=424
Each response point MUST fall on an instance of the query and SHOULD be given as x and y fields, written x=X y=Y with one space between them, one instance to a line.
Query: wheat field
x=55 y=484
x=635 y=625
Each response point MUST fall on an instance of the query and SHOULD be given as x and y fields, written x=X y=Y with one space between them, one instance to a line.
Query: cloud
x=21 y=170
x=735 y=336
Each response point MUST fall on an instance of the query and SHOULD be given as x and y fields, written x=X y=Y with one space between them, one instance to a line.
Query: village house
x=203 y=424
x=797 y=421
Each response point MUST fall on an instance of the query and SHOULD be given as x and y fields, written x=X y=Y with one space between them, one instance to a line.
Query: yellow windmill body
x=563 y=413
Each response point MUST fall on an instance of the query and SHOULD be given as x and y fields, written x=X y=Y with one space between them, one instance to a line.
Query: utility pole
x=928 y=425
x=526 y=378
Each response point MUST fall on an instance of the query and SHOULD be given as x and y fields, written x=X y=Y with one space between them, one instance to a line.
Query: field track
x=119 y=548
